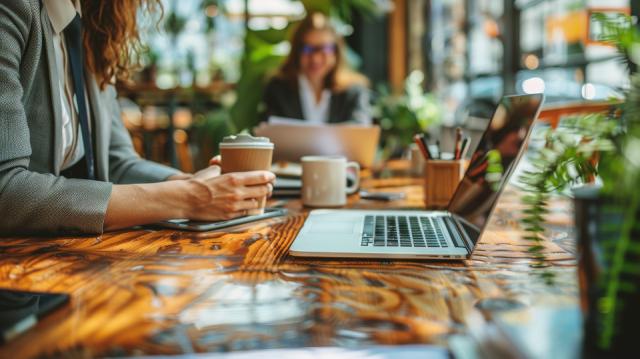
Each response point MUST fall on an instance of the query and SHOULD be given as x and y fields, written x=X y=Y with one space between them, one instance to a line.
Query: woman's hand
x=219 y=197
x=206 y=196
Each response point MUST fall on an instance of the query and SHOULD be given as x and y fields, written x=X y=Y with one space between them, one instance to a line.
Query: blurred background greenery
x=433 y=65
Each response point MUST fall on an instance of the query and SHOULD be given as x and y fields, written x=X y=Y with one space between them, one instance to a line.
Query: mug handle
x=356 y=184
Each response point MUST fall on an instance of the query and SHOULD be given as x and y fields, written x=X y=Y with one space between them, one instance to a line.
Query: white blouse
x=313 y=111
x=61 y=13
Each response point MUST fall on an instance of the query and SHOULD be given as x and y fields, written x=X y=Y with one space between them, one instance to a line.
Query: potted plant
x=403 y=115
x=608 y=234
x=608 y=215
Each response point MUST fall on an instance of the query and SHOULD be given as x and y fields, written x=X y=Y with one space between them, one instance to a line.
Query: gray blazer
x=283 y=99
x=33 y=196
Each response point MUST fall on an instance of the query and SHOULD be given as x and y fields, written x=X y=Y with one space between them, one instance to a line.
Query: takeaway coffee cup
x=324 y=180
x=242 y=153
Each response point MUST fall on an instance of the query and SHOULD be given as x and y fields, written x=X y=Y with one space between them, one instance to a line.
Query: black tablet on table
x=188 y=225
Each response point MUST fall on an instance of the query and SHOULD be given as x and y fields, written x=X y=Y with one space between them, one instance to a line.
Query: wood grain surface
x=146 y=291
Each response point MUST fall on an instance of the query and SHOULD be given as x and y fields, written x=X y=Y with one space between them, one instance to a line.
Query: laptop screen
x=493 y=161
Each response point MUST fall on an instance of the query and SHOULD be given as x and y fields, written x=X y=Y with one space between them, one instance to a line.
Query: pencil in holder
x=441 y=179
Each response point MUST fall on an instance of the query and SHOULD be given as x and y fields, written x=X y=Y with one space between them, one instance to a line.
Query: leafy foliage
x=623 y=172
x=621 y=175
x=402 y=116
x=260 y=58
x=620 y=31
x=174 y=24
x=568 y=159
x=344 y=10
x=209 y=130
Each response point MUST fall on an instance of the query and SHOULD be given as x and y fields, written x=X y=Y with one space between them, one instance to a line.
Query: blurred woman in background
x=314 y=83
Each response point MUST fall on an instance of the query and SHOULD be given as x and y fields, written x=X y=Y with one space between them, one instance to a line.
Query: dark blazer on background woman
x=281 y=98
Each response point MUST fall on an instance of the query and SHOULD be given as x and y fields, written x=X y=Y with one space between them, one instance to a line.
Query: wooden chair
x=183 y=152
x=553 y=114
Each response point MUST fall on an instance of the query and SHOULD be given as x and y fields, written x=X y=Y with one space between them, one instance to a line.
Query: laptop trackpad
x=337 y=227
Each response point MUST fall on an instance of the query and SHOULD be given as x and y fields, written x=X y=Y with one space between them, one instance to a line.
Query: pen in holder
x=441 y=178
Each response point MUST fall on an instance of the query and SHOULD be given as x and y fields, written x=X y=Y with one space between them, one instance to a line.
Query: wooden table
x=147 y=291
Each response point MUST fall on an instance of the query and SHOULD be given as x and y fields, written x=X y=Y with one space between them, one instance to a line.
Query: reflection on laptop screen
x=493 y=161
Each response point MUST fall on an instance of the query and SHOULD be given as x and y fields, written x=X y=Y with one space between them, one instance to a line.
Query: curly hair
x=111 y=37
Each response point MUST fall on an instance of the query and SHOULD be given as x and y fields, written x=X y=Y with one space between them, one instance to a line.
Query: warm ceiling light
x=531 y=62
x=491 y=28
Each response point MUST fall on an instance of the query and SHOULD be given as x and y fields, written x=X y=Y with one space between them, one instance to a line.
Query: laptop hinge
x=462 y=230
x=456 y=234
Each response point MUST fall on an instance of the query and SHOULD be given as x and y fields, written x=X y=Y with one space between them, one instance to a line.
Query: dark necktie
x=73 y=36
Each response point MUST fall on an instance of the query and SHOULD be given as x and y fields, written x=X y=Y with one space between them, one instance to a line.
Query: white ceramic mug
x=324 y=181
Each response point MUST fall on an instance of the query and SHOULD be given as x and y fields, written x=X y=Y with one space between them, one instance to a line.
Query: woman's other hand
x=215 y=161
x=209 y=172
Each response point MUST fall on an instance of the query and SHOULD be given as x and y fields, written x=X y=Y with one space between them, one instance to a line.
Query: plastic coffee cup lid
x=245 y=141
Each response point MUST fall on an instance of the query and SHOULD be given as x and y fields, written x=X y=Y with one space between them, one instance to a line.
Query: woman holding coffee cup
x=69 y=166
x=314 y=83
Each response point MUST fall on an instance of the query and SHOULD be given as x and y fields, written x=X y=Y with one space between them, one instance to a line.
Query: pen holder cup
x=441 y=179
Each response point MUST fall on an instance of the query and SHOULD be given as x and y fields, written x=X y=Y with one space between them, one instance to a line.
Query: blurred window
x=203 y=40
x=559 y=47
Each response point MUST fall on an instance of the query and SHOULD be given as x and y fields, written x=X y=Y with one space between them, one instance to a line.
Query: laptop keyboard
x=403 y=231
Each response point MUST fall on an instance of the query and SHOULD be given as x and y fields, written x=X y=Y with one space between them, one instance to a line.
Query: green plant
x=568 y=159
x=208 y=130
x=401 y=116
x=620 y=31
x=174 y=24
x=344 y=10
x=150 y=57
x=623 y=174
x=260 y=58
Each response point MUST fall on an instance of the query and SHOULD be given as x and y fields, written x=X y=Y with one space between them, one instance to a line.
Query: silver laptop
x=293 y=141
x=450 y=234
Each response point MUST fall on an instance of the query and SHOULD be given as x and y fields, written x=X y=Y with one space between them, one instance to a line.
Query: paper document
x=277 y=120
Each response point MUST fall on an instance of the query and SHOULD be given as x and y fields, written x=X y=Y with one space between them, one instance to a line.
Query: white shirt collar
x=314 y=112
x=61 y=13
